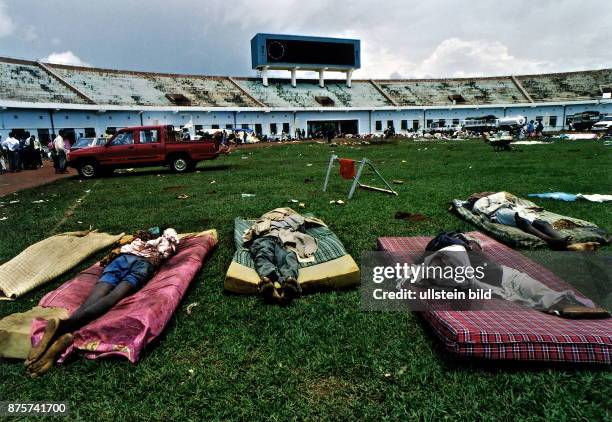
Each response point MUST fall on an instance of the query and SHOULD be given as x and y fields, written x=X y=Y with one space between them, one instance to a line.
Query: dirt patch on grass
x=408 y=216
x=328 y=389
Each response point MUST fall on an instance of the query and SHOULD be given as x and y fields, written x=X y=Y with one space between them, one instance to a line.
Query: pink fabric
x=512 y=331
x=138 y=319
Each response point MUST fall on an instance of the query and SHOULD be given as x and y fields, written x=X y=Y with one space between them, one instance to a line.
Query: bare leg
x=555 y=242
x=103 y=304
x=52 y=331
x=85 y=314
x=100 y=290
x=548 y=229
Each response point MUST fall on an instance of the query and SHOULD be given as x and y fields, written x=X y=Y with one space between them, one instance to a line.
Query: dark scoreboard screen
x=310 y=52
x=277 y=51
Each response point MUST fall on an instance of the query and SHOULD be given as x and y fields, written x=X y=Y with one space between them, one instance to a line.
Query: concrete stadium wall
x=34 y=119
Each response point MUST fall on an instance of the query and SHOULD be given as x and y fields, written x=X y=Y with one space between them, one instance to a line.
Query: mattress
x=137 y=320
x=512 y=332
x=332 y=268
x=579 y=230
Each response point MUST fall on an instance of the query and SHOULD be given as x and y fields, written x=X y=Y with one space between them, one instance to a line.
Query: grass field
x=322 y=358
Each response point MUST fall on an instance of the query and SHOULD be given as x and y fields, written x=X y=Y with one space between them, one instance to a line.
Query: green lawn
x=234 y=358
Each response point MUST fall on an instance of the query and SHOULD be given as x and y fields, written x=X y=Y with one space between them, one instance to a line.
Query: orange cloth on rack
x=347 y=168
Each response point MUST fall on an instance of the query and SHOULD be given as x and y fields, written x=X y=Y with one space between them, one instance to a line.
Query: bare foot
x=586 y=246
x=49 y=334
x=45 y=363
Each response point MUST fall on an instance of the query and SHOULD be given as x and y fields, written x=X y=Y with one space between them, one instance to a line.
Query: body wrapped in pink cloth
x=138 y=319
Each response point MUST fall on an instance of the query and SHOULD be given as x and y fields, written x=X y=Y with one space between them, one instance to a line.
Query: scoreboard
x=293 y=51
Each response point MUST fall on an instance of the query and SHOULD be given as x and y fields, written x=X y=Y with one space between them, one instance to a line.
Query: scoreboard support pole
x=294 y=77
x=349 y=77
x=264 y=75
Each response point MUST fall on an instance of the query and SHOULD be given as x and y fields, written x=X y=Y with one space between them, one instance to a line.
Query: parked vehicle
x=511 y=122
x=584 y=120
x=604 y=125
x=87 y=143
x=480 y=124
x=144 y=146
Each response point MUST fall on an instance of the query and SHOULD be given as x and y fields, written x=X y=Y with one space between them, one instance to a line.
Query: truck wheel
x=88 y=170
x=180 y=164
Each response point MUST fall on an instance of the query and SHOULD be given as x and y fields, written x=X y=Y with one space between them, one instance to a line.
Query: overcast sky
x=400 y=38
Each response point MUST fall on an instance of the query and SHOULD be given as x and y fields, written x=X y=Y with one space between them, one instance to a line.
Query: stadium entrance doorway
x=321 y=127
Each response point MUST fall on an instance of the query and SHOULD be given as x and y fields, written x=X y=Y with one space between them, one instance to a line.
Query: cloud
x=7 y=27
x=457 y=57
x=66 y=57
x=441 y=38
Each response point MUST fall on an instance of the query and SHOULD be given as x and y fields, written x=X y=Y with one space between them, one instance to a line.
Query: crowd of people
x=23 y=151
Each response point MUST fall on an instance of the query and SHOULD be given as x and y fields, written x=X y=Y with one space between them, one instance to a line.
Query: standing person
x=53 y=154
x=11 y=145
x=37 y=152
x=27 y=152
x=539 y=128
x=530 y=129
x=3 y=164
x=60 y=150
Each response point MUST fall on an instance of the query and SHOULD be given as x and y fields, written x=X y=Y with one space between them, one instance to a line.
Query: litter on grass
x=190 y=309
x=570 y=197
x=247 y=195
x=182 y=196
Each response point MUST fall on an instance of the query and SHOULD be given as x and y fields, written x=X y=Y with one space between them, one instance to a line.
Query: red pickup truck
x=144 y=146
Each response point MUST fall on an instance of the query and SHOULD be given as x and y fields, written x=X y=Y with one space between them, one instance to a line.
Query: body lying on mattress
x=507 y=329
x=283 y=252
x=118 y=306
x=522 y=223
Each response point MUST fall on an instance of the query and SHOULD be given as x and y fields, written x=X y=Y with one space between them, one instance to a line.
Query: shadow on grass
x=146 y=171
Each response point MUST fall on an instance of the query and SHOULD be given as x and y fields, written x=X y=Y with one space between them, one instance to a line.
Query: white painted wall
x=28 y=119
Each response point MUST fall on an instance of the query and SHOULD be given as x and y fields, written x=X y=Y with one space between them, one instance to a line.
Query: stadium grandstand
x=86 y=101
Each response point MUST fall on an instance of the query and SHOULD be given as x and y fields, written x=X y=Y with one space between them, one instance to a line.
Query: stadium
x=158 y=276
x=42 y=98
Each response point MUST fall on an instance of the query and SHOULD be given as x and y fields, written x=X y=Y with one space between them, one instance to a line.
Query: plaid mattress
x=512 y=332
x=330 y=247
x=585 y=232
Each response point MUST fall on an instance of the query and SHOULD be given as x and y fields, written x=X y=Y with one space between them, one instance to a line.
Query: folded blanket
x=138 y=319
x=48 y=259
x=579 y=230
